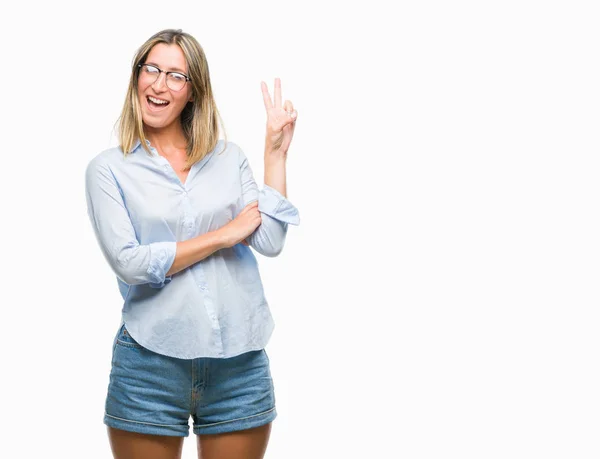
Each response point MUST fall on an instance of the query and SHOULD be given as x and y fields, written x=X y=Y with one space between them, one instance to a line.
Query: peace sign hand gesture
x=281 y=120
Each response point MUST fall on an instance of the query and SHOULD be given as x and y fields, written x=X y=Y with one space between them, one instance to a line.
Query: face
x=162 y=106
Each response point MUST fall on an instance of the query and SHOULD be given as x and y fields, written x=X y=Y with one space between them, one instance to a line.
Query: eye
x=177 y=77
x=150 y=69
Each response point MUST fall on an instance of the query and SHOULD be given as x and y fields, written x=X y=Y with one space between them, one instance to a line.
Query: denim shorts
x=155 y=394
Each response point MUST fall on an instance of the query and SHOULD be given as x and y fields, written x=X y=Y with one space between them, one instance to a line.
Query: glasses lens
x=175 y=81
x=149 y=72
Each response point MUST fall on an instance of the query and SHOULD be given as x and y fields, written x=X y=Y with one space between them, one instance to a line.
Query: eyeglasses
x=175 y=80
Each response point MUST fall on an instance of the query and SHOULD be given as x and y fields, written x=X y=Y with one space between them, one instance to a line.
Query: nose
x=160 y=83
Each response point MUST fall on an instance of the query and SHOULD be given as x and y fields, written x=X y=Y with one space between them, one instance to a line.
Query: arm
x=275 y=170
x=276 y=210
x=132 y=262
x=196 y=249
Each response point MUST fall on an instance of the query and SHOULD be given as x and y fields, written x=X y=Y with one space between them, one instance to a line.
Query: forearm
x=275 y=171
x=196 y=249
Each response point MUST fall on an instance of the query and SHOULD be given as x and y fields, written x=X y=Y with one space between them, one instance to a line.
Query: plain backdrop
x=440 y=296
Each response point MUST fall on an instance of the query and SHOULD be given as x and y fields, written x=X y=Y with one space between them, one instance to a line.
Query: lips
x=156 y=104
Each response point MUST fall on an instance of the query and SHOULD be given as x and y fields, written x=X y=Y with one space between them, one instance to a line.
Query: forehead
x=167 y=57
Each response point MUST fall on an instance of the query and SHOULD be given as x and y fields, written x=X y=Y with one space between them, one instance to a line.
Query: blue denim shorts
x=155 y=394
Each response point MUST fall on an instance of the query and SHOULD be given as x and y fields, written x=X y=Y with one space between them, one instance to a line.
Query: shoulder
x=224 y=148
x=230 y=151
x=102 y=161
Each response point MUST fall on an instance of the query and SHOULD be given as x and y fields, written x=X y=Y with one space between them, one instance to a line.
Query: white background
x=440 y=296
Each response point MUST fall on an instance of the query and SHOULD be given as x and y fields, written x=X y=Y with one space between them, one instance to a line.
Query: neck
x=166 y=139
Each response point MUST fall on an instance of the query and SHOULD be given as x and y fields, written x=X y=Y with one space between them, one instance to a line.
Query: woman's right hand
x=242 y=226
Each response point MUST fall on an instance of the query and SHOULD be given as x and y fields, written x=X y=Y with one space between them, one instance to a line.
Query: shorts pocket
x=125 y=339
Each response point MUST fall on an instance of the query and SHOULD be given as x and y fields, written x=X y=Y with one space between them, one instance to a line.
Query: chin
x=155 y=123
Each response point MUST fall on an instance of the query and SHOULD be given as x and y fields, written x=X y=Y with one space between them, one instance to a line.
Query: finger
x=290 y=118
x=249 y=207
x=266 y=95
x=245 y=242
x=293 y=126
x=277 y=92
x=289 y=109
x=288 y=130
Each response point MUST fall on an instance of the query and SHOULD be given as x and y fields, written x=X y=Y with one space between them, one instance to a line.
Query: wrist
x=275 y=162
x=275 y=177
x=220 y=239
x=274 y=151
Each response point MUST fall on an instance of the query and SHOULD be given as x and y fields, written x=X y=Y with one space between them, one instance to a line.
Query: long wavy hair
x=200 y=118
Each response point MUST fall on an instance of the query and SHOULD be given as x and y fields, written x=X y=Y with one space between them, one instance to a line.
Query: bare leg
x=133 y=445
x=243 y=444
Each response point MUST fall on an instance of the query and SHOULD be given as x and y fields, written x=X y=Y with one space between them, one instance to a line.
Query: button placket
x=208 y=301
x=188 y=220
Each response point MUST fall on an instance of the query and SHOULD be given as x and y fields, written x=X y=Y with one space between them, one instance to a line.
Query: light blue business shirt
x=139 y=209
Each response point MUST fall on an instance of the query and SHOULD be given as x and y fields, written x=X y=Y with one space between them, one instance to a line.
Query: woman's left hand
x=281 y=120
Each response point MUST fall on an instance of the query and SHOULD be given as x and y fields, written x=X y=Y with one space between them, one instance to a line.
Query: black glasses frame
x=187 y=78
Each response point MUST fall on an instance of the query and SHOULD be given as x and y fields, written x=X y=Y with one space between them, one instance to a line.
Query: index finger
x=277 y=92
x=266 y=95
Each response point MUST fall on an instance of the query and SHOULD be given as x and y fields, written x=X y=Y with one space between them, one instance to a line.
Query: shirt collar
x=138 y=144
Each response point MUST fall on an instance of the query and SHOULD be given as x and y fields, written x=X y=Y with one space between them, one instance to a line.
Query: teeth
x=158 y=101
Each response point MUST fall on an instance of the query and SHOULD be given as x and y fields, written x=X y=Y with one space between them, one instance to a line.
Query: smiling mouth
x=155 y=103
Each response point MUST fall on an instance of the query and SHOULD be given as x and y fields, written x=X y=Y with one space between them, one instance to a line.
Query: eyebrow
x=170 y=69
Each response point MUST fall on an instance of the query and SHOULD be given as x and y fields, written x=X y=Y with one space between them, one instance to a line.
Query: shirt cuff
x=162 y=256
x=276 y=205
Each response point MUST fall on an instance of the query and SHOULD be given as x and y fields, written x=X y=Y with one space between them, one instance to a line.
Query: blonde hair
x=200 y=118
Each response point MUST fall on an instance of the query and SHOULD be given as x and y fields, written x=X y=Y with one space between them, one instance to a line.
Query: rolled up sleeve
x=162 y=256
x=276 y=212
x=132 y=262
x=276 y=205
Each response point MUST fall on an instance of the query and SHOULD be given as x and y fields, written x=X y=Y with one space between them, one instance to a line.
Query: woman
x=175 y=211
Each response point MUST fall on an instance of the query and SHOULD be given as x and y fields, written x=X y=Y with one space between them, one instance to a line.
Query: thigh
x=148 y=393
x=134 y=445
x=234 y=394
x=241 y=444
